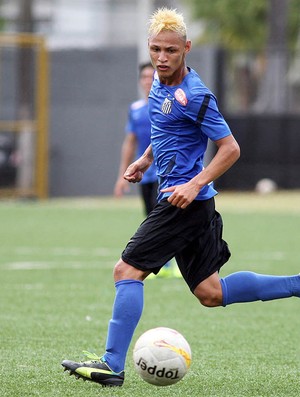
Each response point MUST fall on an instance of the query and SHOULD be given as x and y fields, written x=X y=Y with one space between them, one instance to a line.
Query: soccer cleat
x=170 y=270
x=95 y=370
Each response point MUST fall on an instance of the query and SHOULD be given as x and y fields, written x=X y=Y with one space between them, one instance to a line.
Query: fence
x=23 y=116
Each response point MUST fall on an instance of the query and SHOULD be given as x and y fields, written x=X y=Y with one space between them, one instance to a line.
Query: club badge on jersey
x=166 y=106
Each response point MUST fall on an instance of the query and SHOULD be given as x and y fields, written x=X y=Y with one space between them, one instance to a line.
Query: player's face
x=167 y=52
x=146 y=79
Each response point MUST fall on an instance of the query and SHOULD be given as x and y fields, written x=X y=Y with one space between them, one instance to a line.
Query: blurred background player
x=137 y=139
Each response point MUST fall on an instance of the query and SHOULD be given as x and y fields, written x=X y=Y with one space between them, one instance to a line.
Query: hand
x=121 y=187
x=133 y=174
x=182 y=195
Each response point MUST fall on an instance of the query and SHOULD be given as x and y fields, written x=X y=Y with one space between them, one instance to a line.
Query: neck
x=176 y=78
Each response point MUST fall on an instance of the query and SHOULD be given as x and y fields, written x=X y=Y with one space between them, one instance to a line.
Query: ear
x=188 y=46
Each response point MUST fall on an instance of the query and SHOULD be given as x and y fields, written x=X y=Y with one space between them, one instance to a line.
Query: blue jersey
x=182 y=119
x=139 y=124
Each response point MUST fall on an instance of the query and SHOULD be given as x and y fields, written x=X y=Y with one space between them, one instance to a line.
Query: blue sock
x=127 y=310
x=249 y=287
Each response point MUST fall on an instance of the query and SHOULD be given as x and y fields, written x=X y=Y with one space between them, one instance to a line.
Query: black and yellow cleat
x=169 y=270
x=96 y=370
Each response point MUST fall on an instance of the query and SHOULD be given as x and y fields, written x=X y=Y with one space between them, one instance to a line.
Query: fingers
x=181 y=196
x=121 y=187
x=168 y=189
x=135 y=177
x=178 y=202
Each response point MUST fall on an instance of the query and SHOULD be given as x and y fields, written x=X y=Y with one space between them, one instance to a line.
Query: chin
x=163 y=75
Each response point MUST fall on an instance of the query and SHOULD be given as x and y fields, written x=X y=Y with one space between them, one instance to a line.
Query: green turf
x=56 y=261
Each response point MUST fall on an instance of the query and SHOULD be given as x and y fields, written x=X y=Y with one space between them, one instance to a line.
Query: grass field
x=56 y=260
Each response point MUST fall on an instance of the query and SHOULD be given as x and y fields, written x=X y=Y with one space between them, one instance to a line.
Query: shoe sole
x=105 y=383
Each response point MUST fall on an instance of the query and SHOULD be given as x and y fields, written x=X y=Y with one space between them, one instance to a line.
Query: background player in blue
x=137 y=139
x=138 y=134
x=184 y=223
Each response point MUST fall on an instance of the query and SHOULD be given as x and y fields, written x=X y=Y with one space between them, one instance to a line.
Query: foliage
x=241 y=24
x=2 y=24
x=2 y=20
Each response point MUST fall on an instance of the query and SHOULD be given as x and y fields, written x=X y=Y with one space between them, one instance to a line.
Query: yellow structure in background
x=38 y=124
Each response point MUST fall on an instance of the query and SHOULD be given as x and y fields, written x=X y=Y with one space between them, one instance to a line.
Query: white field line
x=263 y=255
x=28 y=258
x=63 y=251
x=31 y=265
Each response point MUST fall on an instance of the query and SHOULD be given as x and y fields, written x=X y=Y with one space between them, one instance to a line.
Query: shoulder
x=194 y=85
x=139 y=104
x=197 y=93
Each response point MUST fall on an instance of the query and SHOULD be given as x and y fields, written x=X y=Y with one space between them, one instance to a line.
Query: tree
x=270 y=27
x=242 y=24
x=274 y=91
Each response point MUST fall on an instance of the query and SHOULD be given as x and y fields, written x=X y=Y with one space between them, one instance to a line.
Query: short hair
x=167 y=19
x=143 y=66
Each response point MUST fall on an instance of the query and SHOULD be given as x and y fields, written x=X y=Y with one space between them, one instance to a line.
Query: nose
x=162 y=56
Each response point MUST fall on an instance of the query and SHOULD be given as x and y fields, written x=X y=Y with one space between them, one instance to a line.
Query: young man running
x=184 y=224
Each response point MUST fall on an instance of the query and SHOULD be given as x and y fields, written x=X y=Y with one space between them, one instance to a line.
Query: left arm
x=227 y=154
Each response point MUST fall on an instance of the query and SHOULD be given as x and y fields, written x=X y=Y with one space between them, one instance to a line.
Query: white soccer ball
x=162 y=356
x=266 y=186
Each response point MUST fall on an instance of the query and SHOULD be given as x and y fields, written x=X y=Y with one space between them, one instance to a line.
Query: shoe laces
x=92 y=356
x=96 y=359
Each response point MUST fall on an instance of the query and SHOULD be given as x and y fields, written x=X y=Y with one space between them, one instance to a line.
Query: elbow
x=235 y=151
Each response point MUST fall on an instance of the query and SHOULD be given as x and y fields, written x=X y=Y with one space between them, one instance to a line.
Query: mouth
x=162 y=68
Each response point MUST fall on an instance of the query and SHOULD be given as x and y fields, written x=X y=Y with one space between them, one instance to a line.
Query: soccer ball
x=162 y=356
x=266 y=186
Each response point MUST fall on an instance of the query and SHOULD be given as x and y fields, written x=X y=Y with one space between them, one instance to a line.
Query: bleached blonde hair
x=167 y=19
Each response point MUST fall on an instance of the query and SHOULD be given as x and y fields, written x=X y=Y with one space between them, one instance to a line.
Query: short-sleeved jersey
x=139 y=124
x=182 y=119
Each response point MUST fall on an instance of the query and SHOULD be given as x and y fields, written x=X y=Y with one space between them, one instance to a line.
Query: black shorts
x=149 y=195
x=192 y=235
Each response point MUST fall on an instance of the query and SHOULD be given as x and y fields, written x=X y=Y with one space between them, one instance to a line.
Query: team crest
x=181 y=97
x=166 y=106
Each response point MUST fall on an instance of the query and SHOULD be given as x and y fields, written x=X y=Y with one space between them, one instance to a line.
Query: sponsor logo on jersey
x=181 y=97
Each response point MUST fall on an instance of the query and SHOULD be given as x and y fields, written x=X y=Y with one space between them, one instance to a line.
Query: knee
x=209 y=297
x=124 y=271
x=118 y=270
x=210 y=300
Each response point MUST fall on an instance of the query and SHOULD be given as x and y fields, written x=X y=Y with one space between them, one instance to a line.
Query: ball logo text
x=161 y=373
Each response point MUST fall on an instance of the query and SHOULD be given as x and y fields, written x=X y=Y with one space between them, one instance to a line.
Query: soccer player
x=137 y=139
x=184 y=224
x=138 y=134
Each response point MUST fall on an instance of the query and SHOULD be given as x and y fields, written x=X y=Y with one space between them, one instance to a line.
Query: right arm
x=127 y=156
x=136 y=170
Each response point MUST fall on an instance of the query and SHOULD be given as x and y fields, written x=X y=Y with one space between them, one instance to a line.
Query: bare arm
x=227 y=154
x=135 y=171
x=127 y=156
